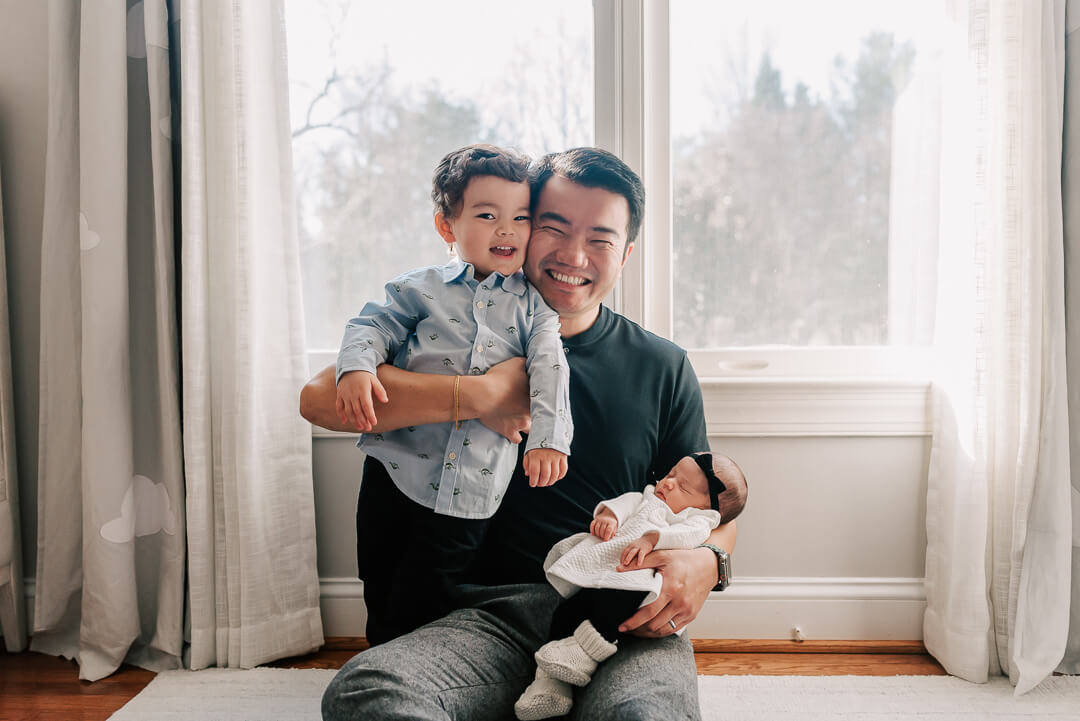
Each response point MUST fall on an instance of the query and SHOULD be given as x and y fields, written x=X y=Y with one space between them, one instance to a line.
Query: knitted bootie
x=545 y=697
x=574 y=659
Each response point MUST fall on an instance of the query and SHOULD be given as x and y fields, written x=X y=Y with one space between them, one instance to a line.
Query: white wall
x=23 y=82
x=832 y=540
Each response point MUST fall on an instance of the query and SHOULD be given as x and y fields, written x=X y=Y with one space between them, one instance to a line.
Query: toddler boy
x=459 y=318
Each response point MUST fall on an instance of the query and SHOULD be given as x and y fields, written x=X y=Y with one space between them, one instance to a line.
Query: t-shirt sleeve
x=682 y=429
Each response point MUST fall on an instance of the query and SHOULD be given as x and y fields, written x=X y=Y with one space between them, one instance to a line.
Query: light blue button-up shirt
x=440 y=319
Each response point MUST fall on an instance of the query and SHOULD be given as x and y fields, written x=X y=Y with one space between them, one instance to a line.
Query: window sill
x=766 y=407
x=739 y=406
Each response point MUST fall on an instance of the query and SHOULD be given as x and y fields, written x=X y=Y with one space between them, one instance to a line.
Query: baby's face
x=685 y=486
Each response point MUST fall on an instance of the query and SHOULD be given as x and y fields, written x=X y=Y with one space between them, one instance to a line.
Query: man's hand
x=544 y=466
x=354 y=399
x=688 y=576
x=501 y=398
x=604 y=525
x=636 y=551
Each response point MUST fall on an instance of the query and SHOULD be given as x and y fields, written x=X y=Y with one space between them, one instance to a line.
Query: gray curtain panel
x=110 y=566
x=12 y=603
x=1070 y=181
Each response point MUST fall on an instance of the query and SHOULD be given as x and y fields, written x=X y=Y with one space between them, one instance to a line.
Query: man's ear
x=626 y=253
x=445 y=229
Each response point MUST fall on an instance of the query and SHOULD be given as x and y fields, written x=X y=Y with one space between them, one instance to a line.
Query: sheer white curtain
x=110 y=565
x=998 y=506
x=12 y=604
x=1070 y=178
x=254 y=586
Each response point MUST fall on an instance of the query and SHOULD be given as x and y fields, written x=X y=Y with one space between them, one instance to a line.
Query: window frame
x=633 y=93
x=632 y=119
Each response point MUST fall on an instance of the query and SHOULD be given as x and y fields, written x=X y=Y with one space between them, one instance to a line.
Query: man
x=637 y=410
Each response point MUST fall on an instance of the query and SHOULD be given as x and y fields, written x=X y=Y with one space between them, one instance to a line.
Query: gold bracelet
x=457 y=400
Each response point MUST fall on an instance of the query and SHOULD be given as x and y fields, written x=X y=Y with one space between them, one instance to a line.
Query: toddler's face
x=492 y=229
x=685 y=486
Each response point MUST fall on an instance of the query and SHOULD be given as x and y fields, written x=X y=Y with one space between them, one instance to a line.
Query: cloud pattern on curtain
x=110 y=567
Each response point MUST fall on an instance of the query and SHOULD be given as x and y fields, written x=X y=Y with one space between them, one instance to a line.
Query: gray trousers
x=473 y=664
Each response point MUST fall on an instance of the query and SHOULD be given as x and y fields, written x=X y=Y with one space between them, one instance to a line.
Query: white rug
x=271 y=694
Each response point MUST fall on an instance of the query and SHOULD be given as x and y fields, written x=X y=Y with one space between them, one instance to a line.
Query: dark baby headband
x=716 y=486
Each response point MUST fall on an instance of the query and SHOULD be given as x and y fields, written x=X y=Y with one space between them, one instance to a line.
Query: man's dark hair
x=457 y=168
x=593 y=168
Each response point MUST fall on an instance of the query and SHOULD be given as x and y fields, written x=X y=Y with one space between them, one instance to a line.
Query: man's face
x=576 y=250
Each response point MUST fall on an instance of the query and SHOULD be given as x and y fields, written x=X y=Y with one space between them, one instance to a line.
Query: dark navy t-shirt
x=637 y=410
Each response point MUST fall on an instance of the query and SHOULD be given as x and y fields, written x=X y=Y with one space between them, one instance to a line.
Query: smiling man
x=637 y=410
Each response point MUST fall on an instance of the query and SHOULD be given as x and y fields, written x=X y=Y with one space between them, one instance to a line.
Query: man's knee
x=646 y=706
x=646 y=680
x=369 y=691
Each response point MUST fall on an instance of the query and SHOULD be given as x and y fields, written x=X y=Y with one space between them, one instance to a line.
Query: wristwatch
x=723 y=566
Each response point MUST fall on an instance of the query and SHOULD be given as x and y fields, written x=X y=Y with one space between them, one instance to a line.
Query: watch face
x=723 y=563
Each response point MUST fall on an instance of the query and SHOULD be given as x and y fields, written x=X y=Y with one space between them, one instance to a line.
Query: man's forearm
x=724 y=536
x=420 y=398
x=415 y=399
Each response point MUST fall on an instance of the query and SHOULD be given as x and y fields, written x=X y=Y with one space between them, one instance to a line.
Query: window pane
x=800 y=172
x=381 y=91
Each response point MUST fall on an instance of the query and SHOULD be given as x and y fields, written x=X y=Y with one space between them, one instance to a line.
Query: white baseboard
x=863 y=609
x=852 y=609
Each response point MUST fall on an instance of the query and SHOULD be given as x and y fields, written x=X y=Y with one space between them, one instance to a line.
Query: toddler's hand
x=544 y=466
x=604 y=526
x=638 y=548
x=354 y=399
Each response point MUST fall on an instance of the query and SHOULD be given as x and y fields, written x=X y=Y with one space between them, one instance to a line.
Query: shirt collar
x=514 y=283
x=454 y=270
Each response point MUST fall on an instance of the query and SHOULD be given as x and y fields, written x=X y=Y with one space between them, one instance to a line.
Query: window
x=784 y=147
x=783 y=152
x=381 y=91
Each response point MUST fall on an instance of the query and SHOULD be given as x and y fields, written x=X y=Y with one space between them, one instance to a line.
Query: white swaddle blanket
x=584 y=561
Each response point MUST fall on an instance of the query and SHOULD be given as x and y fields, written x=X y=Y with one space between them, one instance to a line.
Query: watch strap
x=722 y=579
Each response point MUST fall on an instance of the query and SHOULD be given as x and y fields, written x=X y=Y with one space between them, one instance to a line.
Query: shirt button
x=479 y=349
x=453 y=456
x=479 y=304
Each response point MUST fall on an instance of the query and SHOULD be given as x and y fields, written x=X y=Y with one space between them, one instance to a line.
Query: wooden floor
x=34 y=687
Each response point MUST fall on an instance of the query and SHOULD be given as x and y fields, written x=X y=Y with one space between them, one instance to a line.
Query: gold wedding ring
x=671 y=622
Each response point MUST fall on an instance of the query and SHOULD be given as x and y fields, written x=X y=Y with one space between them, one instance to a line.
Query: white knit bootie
x=545 y=697
x=574 y=659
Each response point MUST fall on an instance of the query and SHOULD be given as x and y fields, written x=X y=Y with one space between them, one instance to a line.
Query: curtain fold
x=998 y=502
x=254 y=590
x=1070 y=180
x=110 y=566
x=12 y=602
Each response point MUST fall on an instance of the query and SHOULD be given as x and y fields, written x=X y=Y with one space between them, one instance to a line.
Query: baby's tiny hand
x=638 y=548
x=544 y=466
x=604 y=527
